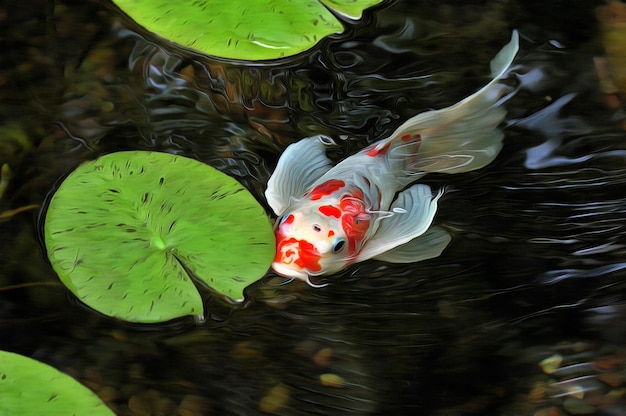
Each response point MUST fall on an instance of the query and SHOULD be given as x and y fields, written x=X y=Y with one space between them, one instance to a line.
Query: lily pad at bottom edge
x=127 y=231
x=29 y=387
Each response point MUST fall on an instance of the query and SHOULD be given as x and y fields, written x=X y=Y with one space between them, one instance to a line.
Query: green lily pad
x=126 y=233
x=29 y=387
x=247 y=30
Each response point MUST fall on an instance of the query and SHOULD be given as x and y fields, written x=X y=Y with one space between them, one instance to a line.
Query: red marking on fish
x=300 y=252
x=290 y=218
x=309 y=257
x=379 y=152
x=411 y=138
x=330 y=211
x=326 y=188
x=331 y=233
x=355 y=221
x=415 y=141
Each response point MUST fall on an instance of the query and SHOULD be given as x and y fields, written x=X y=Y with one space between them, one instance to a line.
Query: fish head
x=319 y=239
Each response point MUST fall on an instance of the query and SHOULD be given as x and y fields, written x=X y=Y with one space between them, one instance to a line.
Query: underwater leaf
x=29 y=387
x=247 y=30
x=126 y=233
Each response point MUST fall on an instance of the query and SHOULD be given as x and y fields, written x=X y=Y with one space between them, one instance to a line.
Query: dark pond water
x=537 y=263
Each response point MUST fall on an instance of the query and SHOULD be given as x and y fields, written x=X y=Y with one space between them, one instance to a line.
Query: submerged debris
x=551 y=364
x=611 y=69
x=275 y=399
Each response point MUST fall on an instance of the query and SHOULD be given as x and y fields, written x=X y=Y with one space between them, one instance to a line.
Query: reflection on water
x=535 y=270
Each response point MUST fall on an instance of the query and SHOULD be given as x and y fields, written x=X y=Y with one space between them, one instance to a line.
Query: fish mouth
x=285 y=271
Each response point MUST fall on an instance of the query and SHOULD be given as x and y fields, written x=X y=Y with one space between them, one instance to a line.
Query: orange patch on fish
x=355 y=221
x=411 y=137
x=326 y=188
x=379 y=152
x=307 y=256
x=330 y=211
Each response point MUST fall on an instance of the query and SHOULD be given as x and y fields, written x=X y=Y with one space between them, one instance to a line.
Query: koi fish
x=330 y=217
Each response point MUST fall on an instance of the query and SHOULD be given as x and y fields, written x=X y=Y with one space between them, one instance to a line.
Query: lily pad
x=29 y=387
x=247 y=30
x=127 y=233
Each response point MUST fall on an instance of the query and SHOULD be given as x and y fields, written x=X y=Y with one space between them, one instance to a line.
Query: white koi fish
x=332 y=216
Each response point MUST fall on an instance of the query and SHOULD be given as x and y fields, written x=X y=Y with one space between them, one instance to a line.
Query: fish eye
x=317 y=228
x=338 y=245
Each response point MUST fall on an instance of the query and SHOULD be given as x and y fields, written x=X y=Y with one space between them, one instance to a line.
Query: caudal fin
x=461 y=137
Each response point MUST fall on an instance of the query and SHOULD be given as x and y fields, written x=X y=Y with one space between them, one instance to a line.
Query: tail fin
x=458 y=138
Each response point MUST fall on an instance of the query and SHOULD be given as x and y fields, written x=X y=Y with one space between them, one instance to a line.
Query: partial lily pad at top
x=126 y=233
x=29 y=387
x=248 y=30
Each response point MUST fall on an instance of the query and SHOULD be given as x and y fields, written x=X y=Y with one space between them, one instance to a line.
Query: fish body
x=332 y=216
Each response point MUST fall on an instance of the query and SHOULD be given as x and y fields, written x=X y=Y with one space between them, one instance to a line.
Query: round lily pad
x=247 y=30
x=29 y=387
x=126 y=233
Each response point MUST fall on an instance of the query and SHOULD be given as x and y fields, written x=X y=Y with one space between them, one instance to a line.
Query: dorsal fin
x=300 y=165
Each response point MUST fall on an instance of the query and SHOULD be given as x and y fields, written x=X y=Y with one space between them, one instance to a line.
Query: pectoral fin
x=411 y=215
x=426 y=246
x=300 y=165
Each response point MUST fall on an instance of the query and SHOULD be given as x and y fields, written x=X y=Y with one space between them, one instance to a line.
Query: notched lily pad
x=126 y=233
x=29 y=387
x=247 y=30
